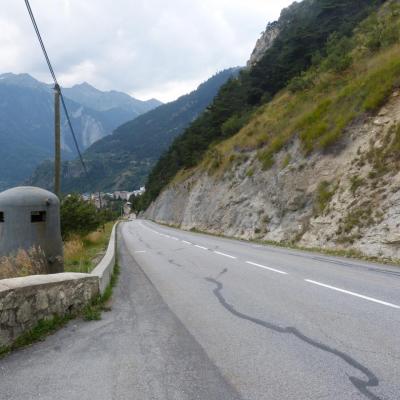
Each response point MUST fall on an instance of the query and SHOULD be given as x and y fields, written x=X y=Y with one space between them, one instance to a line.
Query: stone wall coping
x=105 y=268
x=34 y=280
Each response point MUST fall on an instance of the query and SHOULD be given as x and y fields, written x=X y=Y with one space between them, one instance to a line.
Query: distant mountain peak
x=24 y=80
x=100 y=100
x=85 y=86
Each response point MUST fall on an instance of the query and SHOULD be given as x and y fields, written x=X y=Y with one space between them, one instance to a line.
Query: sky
x=148 y=48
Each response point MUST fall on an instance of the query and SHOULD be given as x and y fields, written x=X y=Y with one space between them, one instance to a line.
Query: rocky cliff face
x=264 y=43
x=342 y=199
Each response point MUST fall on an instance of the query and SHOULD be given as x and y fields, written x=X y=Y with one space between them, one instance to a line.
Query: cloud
x=148 y=48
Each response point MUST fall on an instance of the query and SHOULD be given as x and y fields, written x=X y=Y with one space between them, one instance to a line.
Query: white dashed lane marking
x=353 y=294
x=267 y=268
x=225 y=255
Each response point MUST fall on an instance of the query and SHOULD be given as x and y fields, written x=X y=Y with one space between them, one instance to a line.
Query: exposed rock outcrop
x=264 y=43
x=359 y=209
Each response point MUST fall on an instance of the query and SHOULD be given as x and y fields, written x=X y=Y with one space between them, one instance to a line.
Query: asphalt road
x=200 y=317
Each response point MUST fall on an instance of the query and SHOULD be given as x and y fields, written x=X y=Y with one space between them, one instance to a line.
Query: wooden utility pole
x=57 y=142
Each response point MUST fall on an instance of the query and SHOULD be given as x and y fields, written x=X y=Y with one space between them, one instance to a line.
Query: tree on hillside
x=78 y=217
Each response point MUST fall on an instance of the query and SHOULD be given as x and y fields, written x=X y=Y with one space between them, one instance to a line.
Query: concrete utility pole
x=57 y=142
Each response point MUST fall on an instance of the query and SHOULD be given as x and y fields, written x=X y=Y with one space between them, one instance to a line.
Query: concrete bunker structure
x=30 y=219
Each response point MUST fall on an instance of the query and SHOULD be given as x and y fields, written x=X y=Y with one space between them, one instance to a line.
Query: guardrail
x=26 y=301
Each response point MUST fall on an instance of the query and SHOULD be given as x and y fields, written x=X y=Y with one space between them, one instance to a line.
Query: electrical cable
x=56 y=85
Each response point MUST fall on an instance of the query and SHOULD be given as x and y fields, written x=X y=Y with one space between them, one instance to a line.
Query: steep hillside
x=26 y=126
x=299 y=39
x=318 y=166
x=124 y=159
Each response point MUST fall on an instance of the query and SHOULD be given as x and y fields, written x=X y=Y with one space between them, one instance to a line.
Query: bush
x=355 y=183
x=323 y=197
x=78 y=217
x=380 y=32
x=338 y=53
x=233 y=125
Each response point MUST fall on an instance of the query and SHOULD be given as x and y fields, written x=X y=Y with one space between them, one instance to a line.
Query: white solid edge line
x=200 y=247
x=267 y=268
x=353 y=294
x=225 y=255
x=184 y=241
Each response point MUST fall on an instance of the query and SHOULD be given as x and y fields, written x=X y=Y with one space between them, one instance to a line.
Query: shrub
x=359 y=218
x=302 y=82
x=338 y=53
x=267 y=160
x=355 y=183
x=250 y=172
x=323 y=197
x=286 y=160
x=233 y=125
x=380 y=31
x=78 y=217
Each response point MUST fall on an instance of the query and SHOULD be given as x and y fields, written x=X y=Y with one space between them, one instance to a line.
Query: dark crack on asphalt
x=172 y=262
x=361 y=385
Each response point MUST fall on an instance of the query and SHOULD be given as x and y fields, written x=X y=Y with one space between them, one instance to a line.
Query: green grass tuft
x=323 y=197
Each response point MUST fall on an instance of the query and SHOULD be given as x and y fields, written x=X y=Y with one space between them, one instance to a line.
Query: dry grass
x=81 y=254
x=320 y=116
x=73 y=248
x=23 y=263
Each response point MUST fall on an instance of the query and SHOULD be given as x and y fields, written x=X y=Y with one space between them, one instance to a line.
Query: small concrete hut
x=30 y=219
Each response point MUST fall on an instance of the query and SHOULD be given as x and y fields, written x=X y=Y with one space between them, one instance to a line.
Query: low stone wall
x=26 y=301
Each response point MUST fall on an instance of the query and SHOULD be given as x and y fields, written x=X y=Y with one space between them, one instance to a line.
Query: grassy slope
x=319 y=114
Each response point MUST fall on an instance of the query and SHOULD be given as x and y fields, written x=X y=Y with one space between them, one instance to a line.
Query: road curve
x=200 y=317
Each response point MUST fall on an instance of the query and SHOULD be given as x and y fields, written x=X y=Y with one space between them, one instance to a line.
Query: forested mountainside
x=27 y=130
x=318 y=164
x=124 y=159
x=304 y=29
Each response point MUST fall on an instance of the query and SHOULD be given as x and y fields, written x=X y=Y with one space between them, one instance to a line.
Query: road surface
x=200 y=317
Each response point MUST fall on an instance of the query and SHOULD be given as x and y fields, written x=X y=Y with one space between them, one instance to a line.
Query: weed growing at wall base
x=92 y=312
x=43 y=329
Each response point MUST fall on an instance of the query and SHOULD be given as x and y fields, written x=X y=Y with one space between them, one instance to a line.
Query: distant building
x=121 y=195
x=100 y=200
x=125 y=195
x=138 y=192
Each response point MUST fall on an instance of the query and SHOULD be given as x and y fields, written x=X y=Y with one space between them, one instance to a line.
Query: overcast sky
x=147 y=48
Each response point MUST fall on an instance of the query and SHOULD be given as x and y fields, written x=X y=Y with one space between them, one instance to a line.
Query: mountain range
x=123 y=160
x=26 y=122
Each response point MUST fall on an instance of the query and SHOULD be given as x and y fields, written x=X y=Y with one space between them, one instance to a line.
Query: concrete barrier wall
x=25 y=301
x=105 y=268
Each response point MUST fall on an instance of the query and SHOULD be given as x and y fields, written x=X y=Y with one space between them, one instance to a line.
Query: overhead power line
x=56 y=85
